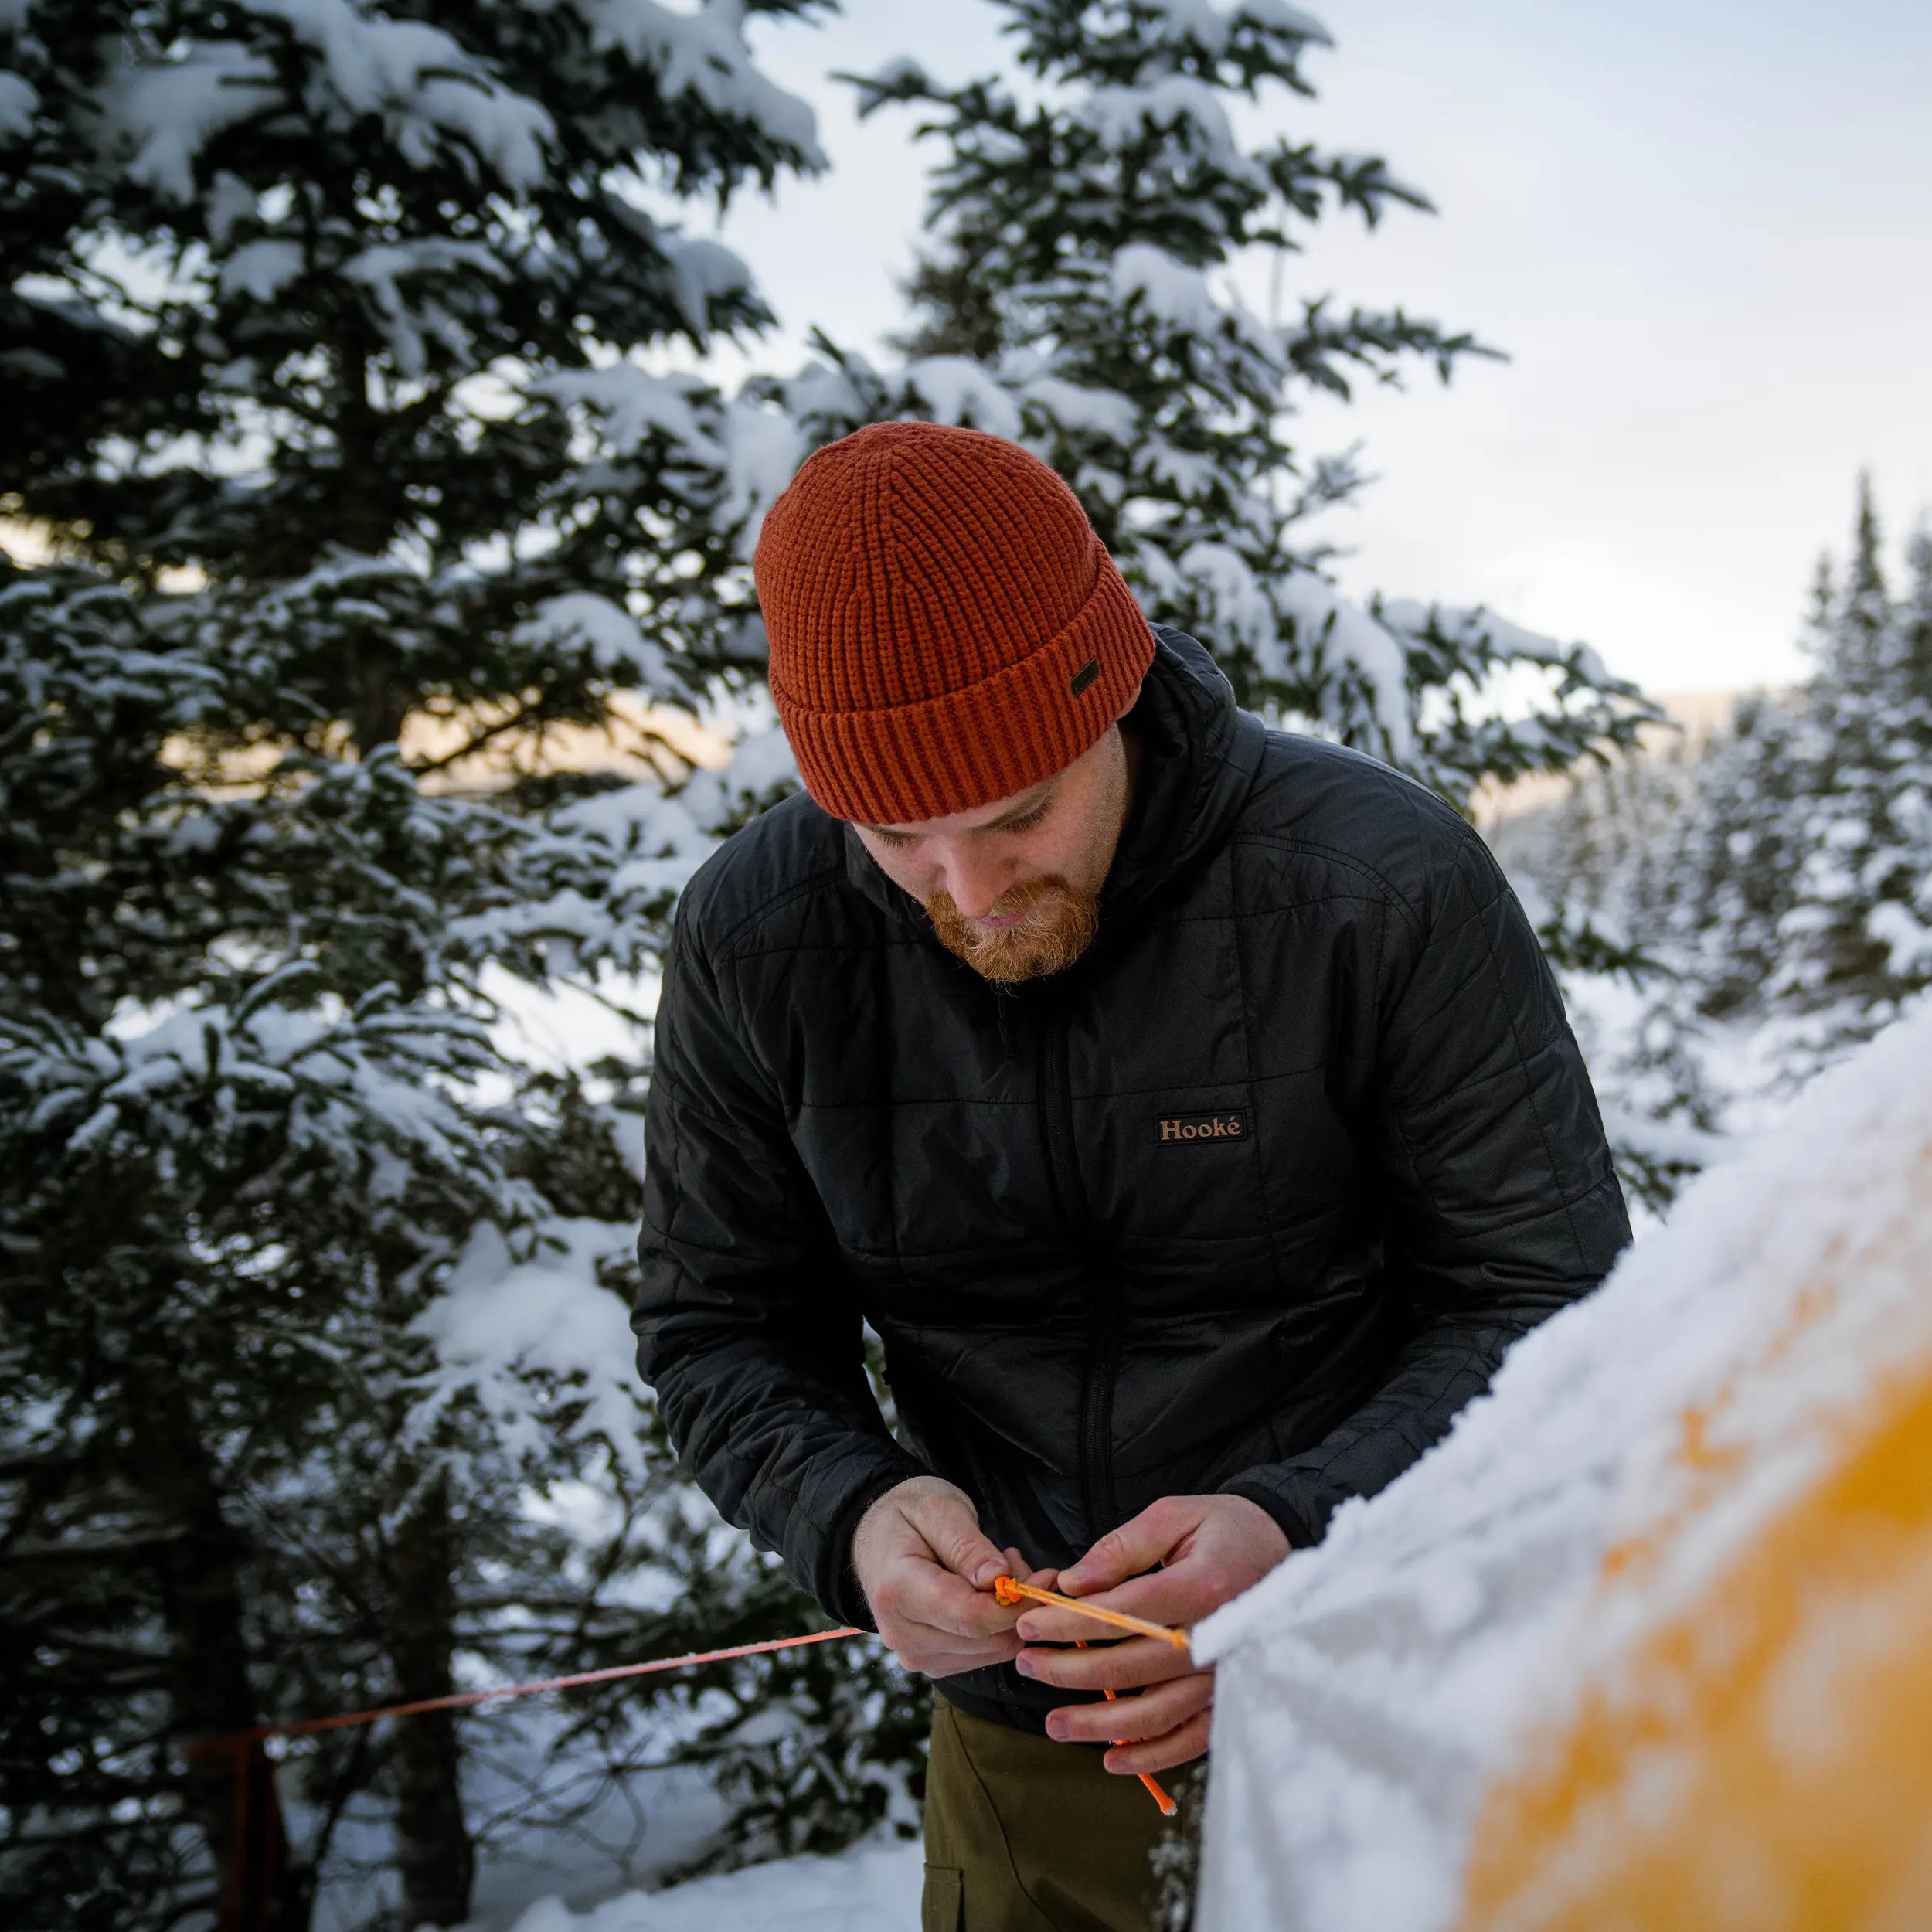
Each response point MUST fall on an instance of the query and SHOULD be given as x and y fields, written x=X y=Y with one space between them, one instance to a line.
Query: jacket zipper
x=1102 y=1364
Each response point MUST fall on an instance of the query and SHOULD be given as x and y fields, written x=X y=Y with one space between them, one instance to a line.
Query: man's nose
x=976 y=883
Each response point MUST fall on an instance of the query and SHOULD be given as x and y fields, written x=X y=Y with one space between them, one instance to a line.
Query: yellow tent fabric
x=1763 y=1763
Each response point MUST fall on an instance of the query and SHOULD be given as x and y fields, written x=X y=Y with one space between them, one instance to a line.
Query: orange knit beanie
x=946 y=629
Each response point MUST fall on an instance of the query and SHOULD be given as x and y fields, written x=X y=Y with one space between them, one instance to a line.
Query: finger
x=1138 y=1662
x=1152 y=1714
x=1177 y=1596
x=951 y=1525
x=1181 y=1746
x=1192 y=1581
x=923 y=1594
x=1176 y=1606
x=1042 y=1625
x=1137 y=1545
x=1001 y=1647
x=949 y=1660
x=1018 y=1568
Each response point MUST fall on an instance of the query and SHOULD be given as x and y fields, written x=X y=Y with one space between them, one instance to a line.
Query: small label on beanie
x=1231 y=1124
x=1084 y=676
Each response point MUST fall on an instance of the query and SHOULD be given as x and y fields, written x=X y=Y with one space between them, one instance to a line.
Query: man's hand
x=927 y=1572
x=1210 y=1549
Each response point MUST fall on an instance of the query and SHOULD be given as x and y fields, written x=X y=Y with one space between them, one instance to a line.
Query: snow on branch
x=703 y=53
x=420 y=83
x=1168 y=290
x=607 y=634
x=526 y=1310
x=427 y=92
x=167 y=112
x=19 y=99
x=1213 y=25
x=365 y=1094
x=1187 y=110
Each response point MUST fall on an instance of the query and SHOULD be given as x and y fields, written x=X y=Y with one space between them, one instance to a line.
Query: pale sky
x=1703 y=230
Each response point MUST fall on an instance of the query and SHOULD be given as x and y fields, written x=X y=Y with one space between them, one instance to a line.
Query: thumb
x=1135 y=1547
x=950 y=1526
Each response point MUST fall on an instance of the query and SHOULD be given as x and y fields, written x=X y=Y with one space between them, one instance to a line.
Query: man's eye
x=1027 y=824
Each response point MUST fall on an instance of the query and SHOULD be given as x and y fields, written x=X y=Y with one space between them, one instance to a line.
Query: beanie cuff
x=899 y=764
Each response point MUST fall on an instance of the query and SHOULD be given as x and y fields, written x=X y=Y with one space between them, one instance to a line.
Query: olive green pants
x=1023 y=1834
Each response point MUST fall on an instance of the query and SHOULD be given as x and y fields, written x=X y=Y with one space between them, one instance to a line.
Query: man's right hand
x=927 y=1571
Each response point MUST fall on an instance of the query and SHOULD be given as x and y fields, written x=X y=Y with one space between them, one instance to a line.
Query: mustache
x=1061 y=925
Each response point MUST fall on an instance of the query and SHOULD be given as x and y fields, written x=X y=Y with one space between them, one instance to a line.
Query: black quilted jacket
x=1252 y=1199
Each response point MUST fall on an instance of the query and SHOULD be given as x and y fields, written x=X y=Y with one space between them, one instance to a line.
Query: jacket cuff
x=1292 y=1522
x=840 y=1595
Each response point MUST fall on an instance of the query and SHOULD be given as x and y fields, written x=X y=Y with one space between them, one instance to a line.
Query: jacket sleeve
x=747 y=1327
x=1501 y=1204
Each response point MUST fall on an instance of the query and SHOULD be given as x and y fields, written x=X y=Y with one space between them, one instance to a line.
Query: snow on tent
x=1646 y=1643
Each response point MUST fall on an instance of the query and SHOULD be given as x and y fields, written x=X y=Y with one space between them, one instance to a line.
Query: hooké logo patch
x=1220 y=1128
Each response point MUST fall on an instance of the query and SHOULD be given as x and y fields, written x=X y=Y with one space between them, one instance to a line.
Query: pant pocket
x=942 y=1905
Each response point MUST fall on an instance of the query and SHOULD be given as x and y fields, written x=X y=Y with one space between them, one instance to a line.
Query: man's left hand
x=1200 y=1551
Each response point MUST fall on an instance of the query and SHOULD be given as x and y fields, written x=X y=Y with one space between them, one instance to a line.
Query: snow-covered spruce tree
x=1723 y=881
x=311 y=1286
x=1087 y=218
x=1798 y=890
x=327 y=308
x=1078 y=293
x=1860 y=932
x=232 y=1159
x=1777 y=883
x=1598 y=868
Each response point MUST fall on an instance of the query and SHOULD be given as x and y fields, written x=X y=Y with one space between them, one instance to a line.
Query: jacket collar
x=1199 y=752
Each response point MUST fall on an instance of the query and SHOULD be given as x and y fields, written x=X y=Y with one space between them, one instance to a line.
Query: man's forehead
x=981 y=818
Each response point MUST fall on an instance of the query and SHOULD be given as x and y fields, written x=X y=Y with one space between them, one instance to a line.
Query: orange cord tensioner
x=1010 y=1590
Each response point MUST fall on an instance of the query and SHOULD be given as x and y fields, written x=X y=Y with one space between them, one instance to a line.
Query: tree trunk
x=368 y=510
x=379 y=702
x=433 y=1853
x=231 y=1796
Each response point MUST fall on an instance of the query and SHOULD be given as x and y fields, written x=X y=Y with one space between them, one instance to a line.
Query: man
x=1187 y=1106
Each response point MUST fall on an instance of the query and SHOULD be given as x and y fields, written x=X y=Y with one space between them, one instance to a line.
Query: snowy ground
x=872 y=1888
x=534 y=1849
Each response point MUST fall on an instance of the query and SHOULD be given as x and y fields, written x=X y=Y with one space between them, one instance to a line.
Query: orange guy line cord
x=235 y=1740
x=1167 y=1806
x=1010 y=1590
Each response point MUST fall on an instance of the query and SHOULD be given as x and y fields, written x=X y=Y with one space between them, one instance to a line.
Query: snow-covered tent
x=1646 y=1643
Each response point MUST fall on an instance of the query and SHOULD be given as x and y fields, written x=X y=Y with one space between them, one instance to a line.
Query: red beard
x=1061 y=922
